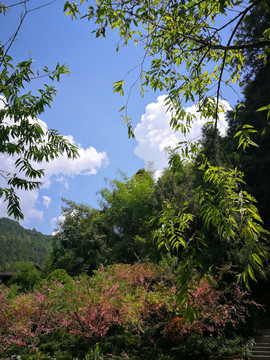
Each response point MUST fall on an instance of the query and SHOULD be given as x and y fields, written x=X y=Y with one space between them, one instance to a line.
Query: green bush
x=26 y=277
x=59 y=275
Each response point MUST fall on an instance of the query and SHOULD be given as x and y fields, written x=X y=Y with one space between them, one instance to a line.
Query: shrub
x=122 y=307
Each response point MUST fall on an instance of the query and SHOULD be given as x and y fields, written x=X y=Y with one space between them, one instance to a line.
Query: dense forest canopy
x=20 y=244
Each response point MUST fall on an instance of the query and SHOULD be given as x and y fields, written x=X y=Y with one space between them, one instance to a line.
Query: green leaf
x=118 y=87
x=262 y=108
x=251 y=272
x=257 y=259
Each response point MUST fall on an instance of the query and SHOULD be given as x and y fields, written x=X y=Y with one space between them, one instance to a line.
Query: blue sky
x=86 y=110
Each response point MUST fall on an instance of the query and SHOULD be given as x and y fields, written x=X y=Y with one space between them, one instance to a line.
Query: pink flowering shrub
x=138 y=299
x=214 y=310
x=4 y=315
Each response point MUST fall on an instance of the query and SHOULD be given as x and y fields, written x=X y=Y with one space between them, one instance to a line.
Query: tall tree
x=191 y=59
x=128 y=205
x=81 y=241
x=254 y=161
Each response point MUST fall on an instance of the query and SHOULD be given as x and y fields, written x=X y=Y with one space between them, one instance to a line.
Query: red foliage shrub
x=136 y=298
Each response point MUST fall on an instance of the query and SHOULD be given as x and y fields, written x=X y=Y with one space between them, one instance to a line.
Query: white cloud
x=154 y=133
x=89 y=162
x=46 y=201
x=55 y=221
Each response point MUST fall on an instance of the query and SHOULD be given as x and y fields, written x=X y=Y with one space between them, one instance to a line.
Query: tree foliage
x=22 y=137
x=179 y=39
x=26 y=276
x=119 y=232
x=19 y=244
x=128 y=205
x=254 y=161
x=193 y=50
x=81 y=242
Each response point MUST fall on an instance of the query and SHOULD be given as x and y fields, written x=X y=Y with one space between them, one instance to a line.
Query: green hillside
x=20 y=244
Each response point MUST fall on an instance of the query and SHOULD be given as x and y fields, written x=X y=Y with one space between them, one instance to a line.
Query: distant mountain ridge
x=20 y=244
